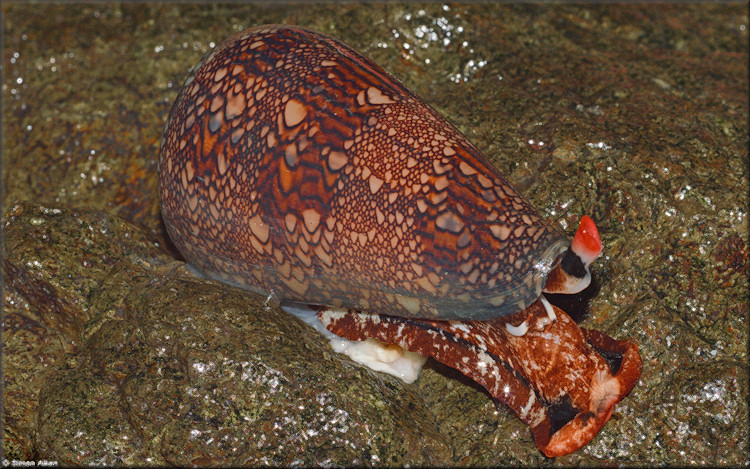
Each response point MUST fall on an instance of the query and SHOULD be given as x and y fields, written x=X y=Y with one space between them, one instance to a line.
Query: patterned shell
x=292 y=165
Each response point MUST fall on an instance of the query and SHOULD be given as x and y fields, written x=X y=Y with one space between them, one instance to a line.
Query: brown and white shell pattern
x=293 y=165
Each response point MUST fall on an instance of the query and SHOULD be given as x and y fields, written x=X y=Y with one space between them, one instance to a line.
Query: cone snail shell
x=293 y=165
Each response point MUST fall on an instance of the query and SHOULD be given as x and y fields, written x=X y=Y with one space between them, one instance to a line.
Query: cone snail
x=293 y=166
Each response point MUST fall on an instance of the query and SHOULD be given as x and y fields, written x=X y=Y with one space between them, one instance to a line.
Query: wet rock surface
x=182 y=371
x=65 y=273
x=633 y=114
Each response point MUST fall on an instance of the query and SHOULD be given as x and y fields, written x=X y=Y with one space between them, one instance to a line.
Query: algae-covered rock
x=56 y=263
x=199 y=373
x=144 y=366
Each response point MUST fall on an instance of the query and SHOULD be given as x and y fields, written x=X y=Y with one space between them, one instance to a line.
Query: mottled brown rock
x=111 y=358
x=56 y=262
x=197 y=373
